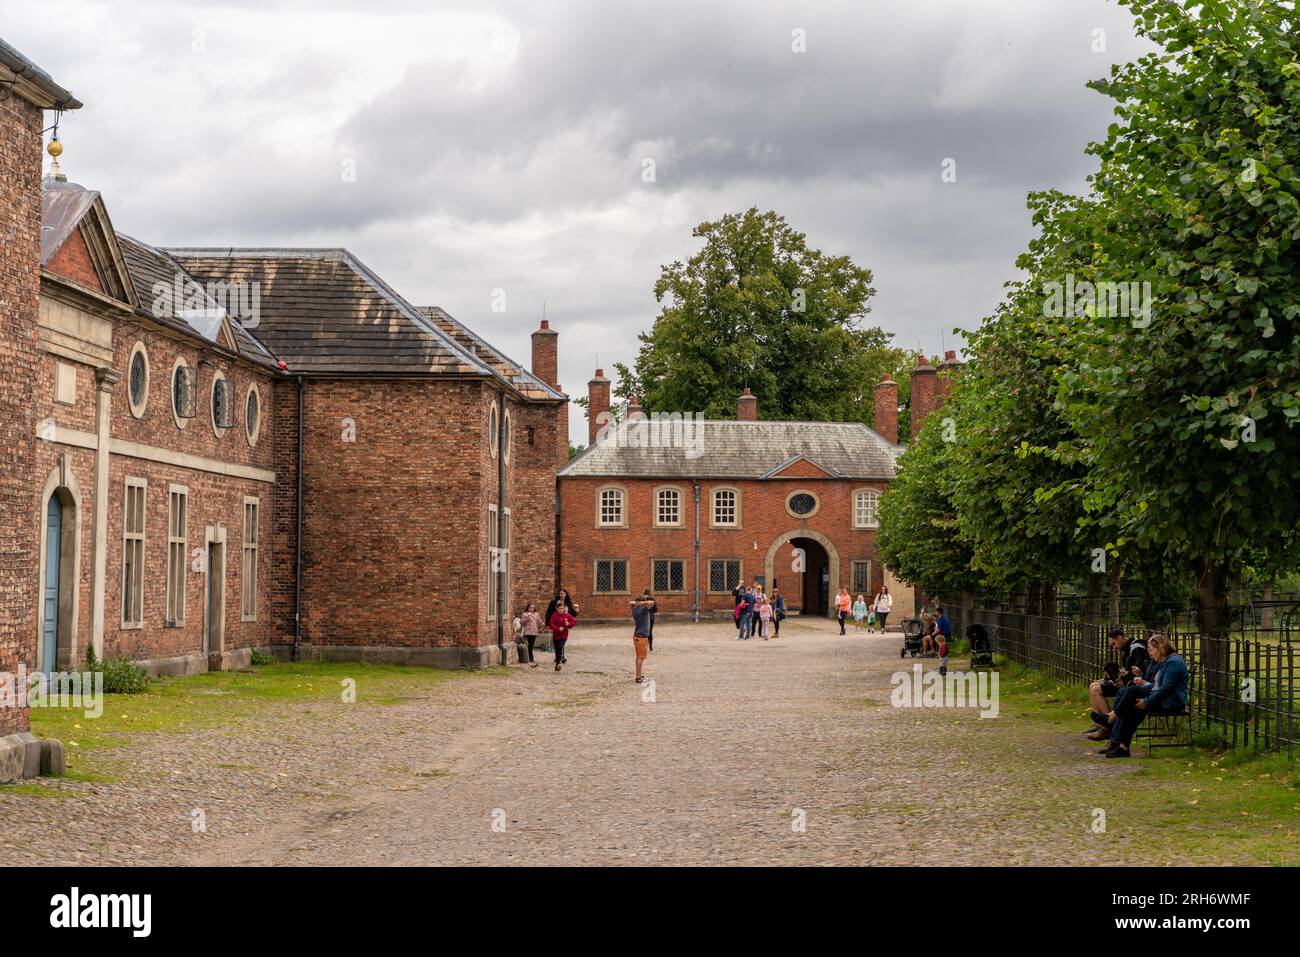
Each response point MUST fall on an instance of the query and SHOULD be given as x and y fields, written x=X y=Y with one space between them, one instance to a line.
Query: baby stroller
x=981 y=649
x=911 y=637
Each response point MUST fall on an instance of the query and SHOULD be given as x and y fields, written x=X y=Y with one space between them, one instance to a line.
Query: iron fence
x=1243 y=690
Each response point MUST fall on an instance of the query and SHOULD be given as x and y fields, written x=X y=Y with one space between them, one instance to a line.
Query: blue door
x=53 y=541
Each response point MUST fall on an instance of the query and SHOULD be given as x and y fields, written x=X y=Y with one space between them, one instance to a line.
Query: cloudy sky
x=501 y=145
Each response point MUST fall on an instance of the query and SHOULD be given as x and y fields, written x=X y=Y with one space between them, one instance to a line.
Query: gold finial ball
x=55 y=149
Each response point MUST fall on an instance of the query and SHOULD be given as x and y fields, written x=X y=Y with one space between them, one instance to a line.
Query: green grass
x=229 y=699
x=1190 y=805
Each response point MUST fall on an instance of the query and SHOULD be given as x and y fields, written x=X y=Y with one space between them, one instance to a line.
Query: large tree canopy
x=757 y=308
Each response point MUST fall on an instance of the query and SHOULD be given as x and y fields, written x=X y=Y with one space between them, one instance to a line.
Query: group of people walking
x=756 y=613
x=561 y=617
x=869 y=616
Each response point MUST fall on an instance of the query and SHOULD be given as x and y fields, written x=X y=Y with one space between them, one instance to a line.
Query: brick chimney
x=634 y=410
x=747 y=407
x=887 y=409
x=546 y=354
x=947 y=377
x=597 y=404
x=922 y=392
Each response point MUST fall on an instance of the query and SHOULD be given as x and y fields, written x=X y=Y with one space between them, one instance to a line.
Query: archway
x=60 y=570
x=811 y=581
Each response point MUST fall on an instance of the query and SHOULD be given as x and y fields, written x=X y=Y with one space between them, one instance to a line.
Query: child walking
x=530 y=623
x=561 y=621
x=859 y=612
x=765 y=618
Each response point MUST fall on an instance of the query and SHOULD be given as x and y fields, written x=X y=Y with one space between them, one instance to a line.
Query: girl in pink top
x=531 y=623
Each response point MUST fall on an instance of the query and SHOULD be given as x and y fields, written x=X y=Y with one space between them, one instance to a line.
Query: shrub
x=124 y=677
x=261 y=657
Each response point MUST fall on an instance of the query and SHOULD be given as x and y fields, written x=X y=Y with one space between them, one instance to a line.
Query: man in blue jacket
x=1166 y=695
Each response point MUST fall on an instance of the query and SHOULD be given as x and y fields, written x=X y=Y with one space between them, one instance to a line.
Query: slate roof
x=63 y=205
x=148 y=265
x=325 y=313
x=741 y=450
x=520 y=377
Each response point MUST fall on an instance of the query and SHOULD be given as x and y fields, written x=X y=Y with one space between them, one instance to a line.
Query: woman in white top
x=883 y=605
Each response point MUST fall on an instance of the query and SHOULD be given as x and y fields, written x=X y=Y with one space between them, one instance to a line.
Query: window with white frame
x=668 y=575
x=726 y=506
x=611 y=507
x=498 y=558
x=248 y=566
x=177 y=548
x=724 y=574
x=865 y=502
x=611 y=575
x=668 y=506
x=133 y=553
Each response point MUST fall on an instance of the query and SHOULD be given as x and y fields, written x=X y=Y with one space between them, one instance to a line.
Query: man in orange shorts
x=643 y=610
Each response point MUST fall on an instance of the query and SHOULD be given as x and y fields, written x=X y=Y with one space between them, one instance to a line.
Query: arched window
x=611 y=507
x=725 y=512
x=668 y=506
x=865 y=502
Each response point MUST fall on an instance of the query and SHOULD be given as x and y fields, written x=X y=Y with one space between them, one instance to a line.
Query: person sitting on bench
x=1135 y=664
x=1166 y=695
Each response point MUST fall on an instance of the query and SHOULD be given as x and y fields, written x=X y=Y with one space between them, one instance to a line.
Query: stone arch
x=832 y=556
x=61 y=482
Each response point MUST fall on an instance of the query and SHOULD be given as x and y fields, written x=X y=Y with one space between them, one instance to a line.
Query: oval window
x=252 y=416
x=802 y=503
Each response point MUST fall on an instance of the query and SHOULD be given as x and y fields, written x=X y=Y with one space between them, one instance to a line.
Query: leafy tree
x=1189 y=414
x=757 y=308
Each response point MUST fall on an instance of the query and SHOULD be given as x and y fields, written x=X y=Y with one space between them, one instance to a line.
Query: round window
x=492 y=431
x=252 y=416
x=137 y=380
x=801 y=503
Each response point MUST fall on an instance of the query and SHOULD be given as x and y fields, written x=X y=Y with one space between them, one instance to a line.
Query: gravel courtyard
x=778 y=752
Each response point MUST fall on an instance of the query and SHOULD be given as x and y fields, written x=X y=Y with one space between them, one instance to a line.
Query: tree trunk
x=1092 y=603
x=1113 y=573
x=1211 y=594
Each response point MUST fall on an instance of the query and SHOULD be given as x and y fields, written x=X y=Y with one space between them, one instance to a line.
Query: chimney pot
x=747 y=407
x=950 y=355
x=546 y=357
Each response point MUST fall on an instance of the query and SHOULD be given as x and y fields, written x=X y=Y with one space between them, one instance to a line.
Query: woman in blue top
x=1166 y=695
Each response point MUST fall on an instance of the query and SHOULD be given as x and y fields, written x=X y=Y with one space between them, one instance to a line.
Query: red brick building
x=26 y=92
x=689 y=508
x=271 y=448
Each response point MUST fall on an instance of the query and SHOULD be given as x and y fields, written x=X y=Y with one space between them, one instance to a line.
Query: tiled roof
x=325 y=313
x=63 y=205
x=738 y=450
x=147 y=266
x=523 y=380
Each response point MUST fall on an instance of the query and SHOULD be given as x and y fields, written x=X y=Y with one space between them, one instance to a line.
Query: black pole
x=297 y=539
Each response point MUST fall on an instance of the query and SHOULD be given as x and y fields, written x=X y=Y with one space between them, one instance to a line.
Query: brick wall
x=764 y=518
x=20 y=224
x=73 y=261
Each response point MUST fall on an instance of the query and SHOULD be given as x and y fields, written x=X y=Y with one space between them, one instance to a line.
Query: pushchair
x=981 y=649
x=912 y=642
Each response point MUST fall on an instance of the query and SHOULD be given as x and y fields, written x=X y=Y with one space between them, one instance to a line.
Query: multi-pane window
x=184 y=385
x=864 y=508
x=724 y=574
x=862 y=578
x=177 y=546
x=668 y=506
x=725 y=511
x=611 y=575
x=802 y=503
x=133 y=553
x=611 y=506
x=669 y=575
x=248 y=566
x=223 y=404
x=498 y=558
